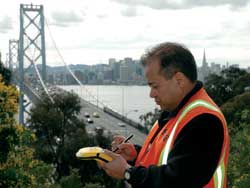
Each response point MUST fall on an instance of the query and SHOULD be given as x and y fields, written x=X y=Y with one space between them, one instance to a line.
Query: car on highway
x=120 y=124
x=96 y=115
x=99 y=130
x=86 y=114
x=89 y=120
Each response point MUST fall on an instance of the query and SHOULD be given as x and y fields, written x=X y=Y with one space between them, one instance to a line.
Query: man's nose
x=152 y=93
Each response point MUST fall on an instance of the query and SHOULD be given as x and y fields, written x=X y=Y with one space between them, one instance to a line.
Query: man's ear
x=180 y=79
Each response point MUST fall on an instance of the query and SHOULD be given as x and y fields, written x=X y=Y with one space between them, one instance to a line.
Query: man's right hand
x=126 y=150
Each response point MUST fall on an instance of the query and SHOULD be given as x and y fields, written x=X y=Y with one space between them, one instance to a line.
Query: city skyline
x=127 y=71
x=92 y=32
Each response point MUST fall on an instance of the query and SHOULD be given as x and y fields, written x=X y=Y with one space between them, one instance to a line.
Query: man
x=189 y=145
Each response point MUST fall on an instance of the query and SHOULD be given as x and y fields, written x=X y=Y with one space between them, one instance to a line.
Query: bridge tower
x=31 y=46
x=13 y=54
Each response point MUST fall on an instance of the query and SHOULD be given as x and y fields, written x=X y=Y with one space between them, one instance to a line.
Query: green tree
x=18 y=167
x=240 y=85
x=21 y=169
x=59 y=131
x=60 y=134
x=216 y=87
x=6 y=74
x=228 y=84
x=8 y=108
x=232 y=73
x=71 y=181
x=150 y=118
x=233 y=109
x=239 y=166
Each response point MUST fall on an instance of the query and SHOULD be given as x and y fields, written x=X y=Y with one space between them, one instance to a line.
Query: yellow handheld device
x=93 y=153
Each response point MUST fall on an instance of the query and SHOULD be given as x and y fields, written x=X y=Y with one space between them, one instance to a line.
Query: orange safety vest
x=156 y=153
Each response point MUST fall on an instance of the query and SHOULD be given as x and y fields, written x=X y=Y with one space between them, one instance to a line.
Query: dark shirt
x=194 y=157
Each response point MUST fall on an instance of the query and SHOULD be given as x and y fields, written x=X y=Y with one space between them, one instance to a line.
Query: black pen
x=125 y=141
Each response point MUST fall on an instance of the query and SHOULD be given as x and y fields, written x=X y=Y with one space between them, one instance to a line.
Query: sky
x=92 y=31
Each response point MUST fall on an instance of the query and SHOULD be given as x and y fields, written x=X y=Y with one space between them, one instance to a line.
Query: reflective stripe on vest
x=219 y=174
x=220 y=171
x=192 y=105
x=155 y=124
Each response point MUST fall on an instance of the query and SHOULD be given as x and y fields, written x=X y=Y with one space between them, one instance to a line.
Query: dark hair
x=173 y=57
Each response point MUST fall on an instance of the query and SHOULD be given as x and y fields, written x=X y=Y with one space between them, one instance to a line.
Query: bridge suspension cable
x=39 y=76
x=42 y=83
x=68 y=68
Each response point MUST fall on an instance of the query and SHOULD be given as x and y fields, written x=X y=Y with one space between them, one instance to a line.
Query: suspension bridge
x=29 y=50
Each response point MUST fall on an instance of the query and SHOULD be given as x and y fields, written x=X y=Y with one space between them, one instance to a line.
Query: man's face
x=166 y=92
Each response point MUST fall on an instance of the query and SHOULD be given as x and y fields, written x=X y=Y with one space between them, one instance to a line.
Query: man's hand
x=126 y=150
x=116 y=167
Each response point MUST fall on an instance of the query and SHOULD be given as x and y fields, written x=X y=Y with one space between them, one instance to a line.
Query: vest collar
x=165 y=115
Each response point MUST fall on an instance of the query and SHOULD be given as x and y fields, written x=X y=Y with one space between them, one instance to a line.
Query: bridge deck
x=106 y=121
x=109 y=123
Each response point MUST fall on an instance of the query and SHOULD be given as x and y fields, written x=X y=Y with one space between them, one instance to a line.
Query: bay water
x=130 y=101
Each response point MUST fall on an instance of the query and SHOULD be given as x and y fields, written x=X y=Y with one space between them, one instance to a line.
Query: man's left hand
x=116 y=167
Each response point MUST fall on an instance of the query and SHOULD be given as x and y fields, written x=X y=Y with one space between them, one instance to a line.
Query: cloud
x=6 y=24
x=102 y=16
x=66 y=19
x=234 y=4
x=184 y=4
x=247 y=28
x=130 y=11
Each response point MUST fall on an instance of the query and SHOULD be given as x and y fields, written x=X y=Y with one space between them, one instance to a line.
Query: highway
x=110 y=124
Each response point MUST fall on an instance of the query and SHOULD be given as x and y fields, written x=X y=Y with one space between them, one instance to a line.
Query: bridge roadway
x=109 y=123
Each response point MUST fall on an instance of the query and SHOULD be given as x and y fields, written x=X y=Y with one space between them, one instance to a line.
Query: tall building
x=116 y=71
x=100 y=78
x=235 y=65
x=204 y=71
x=131 y=67
x=215 y=68
x=108 y=75
x=204 y=60
x=248 y=69
x=124 y=74
x=111 y=61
